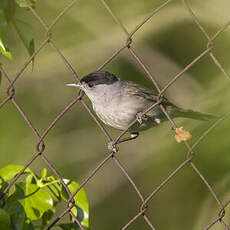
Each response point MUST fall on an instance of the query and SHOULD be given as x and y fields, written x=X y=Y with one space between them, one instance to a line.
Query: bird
x=118 y=103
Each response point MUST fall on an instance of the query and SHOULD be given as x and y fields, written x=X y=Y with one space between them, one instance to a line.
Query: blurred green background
x=87 y=36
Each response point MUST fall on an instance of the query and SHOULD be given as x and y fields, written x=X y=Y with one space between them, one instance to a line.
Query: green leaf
x=28 y=226
x=30 y=179
x=22 y=3
x=80 y=200
x=44 y=173
x=54 y=190
x=69 y=226
x=46 y=218
x=16 y=212
x=34 y=199
x=4 y=220
x=10 y=171
x=3 y=35
x=25 y=32
x=52 y=185
x=4 y=50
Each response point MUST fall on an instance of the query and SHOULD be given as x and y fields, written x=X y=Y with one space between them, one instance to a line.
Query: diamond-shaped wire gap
x=131 y=181
x=210 y=39
x=132 y=32
x=161 y=43
x=161 y=185
x=102 y=187
x=43 y=84
x=182 y=41
x=165 y=181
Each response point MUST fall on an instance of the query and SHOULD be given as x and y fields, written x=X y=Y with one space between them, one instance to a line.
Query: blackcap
x=118 y=103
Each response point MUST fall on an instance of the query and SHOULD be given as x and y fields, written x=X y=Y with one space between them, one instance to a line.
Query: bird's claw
x=140 y=117
x=112 y=147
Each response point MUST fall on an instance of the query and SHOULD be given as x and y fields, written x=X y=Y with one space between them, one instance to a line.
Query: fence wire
x=128 y=42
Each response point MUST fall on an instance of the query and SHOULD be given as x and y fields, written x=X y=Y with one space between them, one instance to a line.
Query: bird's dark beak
x=78 y=85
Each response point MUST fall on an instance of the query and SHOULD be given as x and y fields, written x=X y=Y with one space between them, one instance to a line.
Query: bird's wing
x=137 y=90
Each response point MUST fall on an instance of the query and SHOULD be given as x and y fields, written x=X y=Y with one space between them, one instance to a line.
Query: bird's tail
x=193 y=115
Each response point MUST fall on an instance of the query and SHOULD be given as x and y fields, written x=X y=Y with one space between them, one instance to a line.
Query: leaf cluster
x=31 y=202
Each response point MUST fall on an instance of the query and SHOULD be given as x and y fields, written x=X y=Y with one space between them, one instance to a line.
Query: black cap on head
x=99 y=77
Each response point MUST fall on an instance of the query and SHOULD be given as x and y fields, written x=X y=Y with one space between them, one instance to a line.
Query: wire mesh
x=128 y=45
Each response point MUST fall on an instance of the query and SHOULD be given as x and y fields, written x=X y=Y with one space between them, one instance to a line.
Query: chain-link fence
x=128 y=45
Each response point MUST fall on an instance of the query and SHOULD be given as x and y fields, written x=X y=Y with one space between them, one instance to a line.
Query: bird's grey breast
x=118 y=107
x=107 y=105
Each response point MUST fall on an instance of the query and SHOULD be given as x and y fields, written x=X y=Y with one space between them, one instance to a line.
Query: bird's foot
x=112 y=147
x=141 y=117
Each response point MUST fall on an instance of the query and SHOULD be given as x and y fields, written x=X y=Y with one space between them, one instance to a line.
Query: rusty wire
x=40 y=147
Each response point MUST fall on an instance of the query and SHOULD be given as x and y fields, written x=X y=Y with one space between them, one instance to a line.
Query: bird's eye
x=90 y=85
